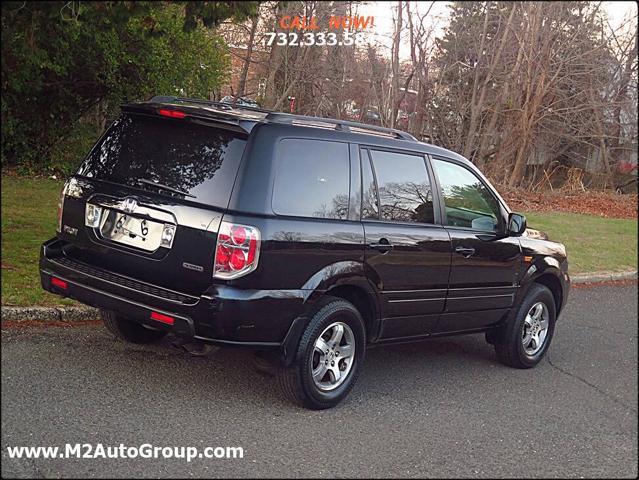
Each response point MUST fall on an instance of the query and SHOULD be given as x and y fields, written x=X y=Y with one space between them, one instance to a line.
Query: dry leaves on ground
x=603 y=204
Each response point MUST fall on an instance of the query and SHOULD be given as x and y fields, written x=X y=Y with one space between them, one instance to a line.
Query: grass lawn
x=29 y=209
x=29 y=212
x=594 y=244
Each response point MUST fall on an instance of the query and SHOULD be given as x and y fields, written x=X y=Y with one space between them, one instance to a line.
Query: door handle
x=466 y=252
x=383 y=245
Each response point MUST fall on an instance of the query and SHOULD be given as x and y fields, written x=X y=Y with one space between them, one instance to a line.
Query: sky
x=618 y=13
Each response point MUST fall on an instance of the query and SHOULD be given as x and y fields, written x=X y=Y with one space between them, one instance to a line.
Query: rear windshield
x=199 y=160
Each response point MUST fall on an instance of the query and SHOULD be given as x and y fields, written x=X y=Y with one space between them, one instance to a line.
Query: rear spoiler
x=197 y=113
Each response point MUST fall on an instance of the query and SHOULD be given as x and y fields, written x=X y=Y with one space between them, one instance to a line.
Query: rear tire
x=524 y=341
x=128 y=330
x=320 y=380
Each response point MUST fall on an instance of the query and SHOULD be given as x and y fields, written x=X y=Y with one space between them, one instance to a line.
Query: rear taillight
x=71 y=189
x=60 y=209
x=237 y=250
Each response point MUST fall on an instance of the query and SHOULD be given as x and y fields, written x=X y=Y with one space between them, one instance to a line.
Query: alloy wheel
x=535 y=328
x=333 y=356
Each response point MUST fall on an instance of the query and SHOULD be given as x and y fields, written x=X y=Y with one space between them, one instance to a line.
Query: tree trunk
x=395 y=66
x=300 y=66
x=241 y=86
x=275 y=61
x=491 y=133
x=468 y=145
x=600 y=131
x=477 y=108
x=619 y=97
x=519 y=169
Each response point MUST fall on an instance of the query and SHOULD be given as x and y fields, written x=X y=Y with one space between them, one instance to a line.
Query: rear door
x=408 y=255
x=149 y=199
x=485 y=265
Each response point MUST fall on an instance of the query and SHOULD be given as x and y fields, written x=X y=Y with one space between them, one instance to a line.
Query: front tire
x=524 y=341
x=128 y=330
x=328 y=358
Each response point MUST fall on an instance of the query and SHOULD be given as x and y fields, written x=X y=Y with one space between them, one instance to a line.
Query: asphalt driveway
x=439 y=408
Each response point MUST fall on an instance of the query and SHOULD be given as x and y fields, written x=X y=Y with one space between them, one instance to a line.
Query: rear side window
x=404 y=187
x=369 y=190
x=312 y=179
x=199 y=160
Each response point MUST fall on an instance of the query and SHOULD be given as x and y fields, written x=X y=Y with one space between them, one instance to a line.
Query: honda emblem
x=129 y=205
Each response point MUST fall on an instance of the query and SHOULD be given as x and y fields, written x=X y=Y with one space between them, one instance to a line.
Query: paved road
x=439 y=408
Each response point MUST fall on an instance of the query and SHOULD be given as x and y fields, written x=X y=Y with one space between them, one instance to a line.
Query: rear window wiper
x=164 y=187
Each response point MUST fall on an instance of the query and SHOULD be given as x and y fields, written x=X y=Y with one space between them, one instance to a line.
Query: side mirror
x=516 y=224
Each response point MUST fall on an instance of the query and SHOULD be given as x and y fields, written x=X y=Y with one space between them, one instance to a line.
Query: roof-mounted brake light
x=171 y=113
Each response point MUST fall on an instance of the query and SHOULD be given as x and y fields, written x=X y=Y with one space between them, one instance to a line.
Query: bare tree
x=533 y=92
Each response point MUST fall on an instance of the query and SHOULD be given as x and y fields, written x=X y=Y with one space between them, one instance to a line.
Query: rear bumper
x=225 y=316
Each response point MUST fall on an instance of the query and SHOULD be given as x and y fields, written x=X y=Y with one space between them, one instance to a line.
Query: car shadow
x=229 y=376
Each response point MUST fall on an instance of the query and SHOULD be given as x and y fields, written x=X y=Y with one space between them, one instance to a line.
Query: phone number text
x=293 y=39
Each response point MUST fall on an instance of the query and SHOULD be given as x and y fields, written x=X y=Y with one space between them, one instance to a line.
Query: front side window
x=404 y=187
x=468 y=202
x=312 y=179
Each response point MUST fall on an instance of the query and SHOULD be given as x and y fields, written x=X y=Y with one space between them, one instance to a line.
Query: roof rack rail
x=211 y=103
x=303 y=120
x=344 y=125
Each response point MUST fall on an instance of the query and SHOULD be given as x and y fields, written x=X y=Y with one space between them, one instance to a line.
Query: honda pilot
x=305 y=239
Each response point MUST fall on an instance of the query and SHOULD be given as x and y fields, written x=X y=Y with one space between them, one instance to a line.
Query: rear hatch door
x=148 y=199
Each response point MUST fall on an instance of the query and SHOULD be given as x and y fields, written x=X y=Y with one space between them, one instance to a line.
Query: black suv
x=306 y=239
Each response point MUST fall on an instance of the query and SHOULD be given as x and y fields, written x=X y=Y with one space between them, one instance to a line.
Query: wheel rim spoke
x=321 y=346
x=319 y=372
x=338 y=333
x=534 y=342
x=537 y=311
x=345 y=351
x=336 y=374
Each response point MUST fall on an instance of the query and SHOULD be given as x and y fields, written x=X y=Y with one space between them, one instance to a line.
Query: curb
x=600 y=277
x=62 y=314
x=81 y=313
